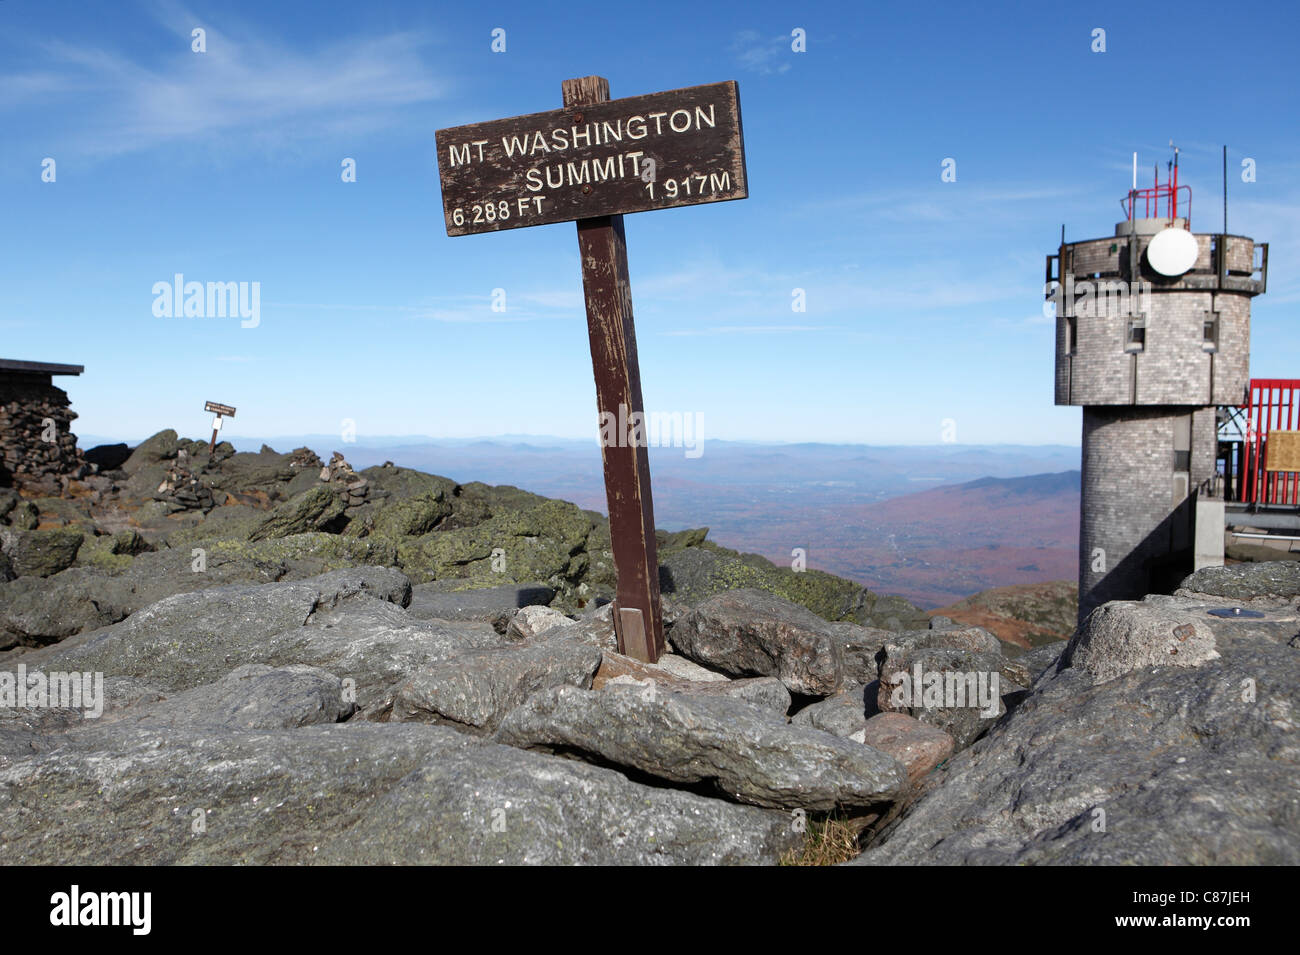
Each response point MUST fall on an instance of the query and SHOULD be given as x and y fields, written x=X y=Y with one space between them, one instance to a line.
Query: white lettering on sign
x=603 y=133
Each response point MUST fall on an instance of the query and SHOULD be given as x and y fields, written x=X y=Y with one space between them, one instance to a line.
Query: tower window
x=1136 y=339
x=1210 y=334
x=1071 y=335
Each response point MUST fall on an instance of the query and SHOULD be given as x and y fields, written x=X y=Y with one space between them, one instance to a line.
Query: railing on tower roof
x=1150 y=198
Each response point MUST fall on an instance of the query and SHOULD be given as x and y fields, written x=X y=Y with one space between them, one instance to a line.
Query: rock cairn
x=351 y=486
x=184 y=488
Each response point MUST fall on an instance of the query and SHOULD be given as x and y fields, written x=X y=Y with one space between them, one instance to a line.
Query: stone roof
x=39 y=367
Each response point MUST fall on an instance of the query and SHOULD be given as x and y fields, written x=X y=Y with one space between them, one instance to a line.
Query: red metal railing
x=1151 y=198
x=1273 y=405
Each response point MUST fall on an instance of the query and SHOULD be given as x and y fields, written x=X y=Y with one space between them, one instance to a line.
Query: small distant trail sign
x=591 y=162
x=218 y=410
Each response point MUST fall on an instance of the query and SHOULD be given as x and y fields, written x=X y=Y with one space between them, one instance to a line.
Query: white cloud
x=761 y=55
x=246 y=86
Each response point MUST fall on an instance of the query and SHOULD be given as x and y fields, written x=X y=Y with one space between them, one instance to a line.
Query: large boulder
x=152 y=452
x=111 y=585
x=1123 y=635
x=1159 y=765
x=252 y=697
x=412 y=516
x=349 y=623
x=41 y=553
x=741 y=752
x=314 y=510
x=669 y=676
x=1280 y=578
x=474 y=691
x=754 y=633
x=541 y=542
x=194 y=795
x=485 y=603
x=495 y=805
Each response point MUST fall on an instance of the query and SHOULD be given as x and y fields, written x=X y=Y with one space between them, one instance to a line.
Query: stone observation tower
x=1152 y=337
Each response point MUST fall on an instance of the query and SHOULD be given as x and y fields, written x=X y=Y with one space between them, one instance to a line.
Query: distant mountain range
x=933 y=523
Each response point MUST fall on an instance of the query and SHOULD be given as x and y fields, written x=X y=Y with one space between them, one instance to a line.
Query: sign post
x=591 y=162
x=218 y=410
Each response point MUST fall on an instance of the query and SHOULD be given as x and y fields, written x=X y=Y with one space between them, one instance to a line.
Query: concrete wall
x=1136 y=517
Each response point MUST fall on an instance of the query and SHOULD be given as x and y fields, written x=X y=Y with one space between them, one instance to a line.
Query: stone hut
x=38 y=446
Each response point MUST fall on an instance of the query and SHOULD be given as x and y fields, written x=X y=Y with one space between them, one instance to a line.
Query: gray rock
x=531 y=622
x=743 y=752
x=119 y=794
x=960 y=691
x=253 y=697
x=475 y=690
x=40 y=553
x=493 y=805
x=317 y=509
x=342 y=622
x=596 y=629
x=38 y=611
x=1279 y=578
x=685 y=669
x=753 y=633
x=859 y=647
x=413 y=516
x=1122 y=636
x=843 y=714
x=488 y=604
x=152 y=451
x=1163 y=765
x=1031 y=664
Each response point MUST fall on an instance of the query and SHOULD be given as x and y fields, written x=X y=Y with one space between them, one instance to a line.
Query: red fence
x=1273 y=405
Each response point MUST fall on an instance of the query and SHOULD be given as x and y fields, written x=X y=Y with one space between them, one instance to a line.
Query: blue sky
x=923 y=297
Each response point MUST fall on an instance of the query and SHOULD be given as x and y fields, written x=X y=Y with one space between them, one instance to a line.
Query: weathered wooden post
x=591 y=162
x=218 y=410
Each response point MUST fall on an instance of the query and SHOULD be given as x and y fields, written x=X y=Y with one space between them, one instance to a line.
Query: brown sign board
x=1282 y=451
x=678 y=148
x=219 y=409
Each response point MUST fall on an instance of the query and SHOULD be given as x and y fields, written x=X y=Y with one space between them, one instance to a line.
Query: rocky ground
x=302 y=663
x=1022 y=616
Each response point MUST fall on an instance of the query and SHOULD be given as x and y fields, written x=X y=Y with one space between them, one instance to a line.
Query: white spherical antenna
x=1172 y=251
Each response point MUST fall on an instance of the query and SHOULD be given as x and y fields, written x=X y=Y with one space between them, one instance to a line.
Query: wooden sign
x=592 y=161
x=659 y=151
x=218 y=410
x=1282 y=451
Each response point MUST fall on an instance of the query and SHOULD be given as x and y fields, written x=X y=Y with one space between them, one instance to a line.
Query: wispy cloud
x=247 y=85
x=762 y=55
